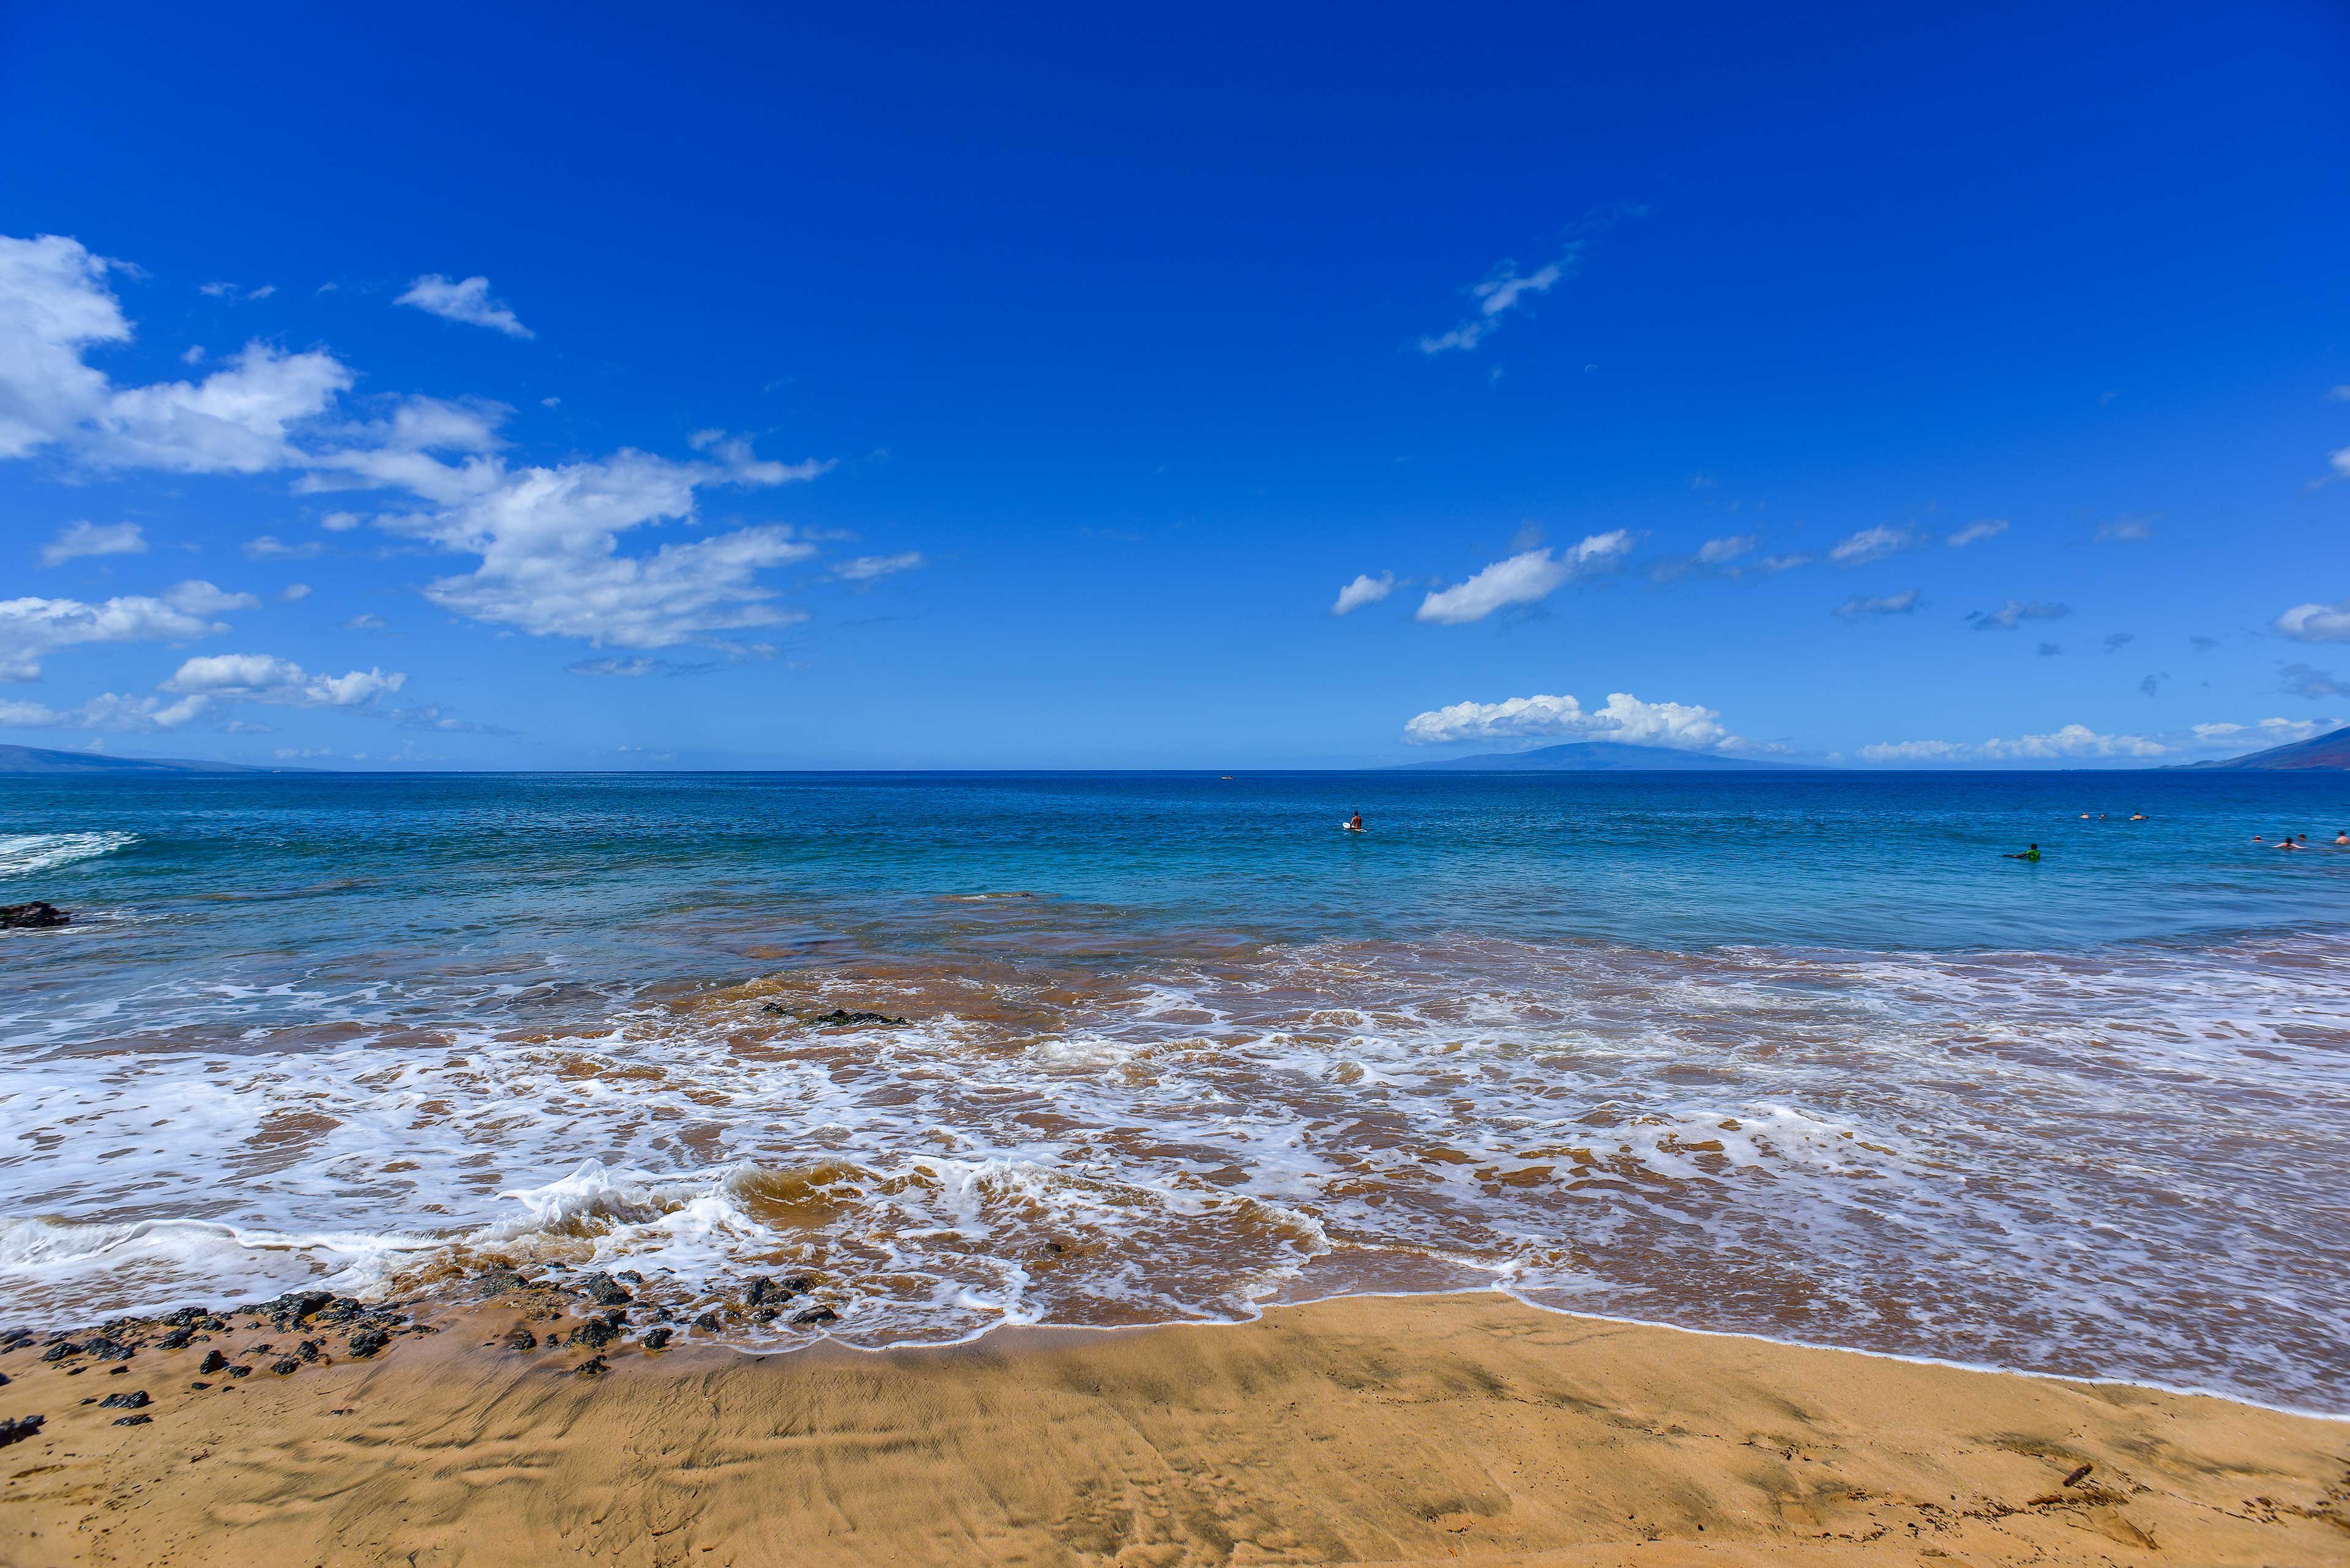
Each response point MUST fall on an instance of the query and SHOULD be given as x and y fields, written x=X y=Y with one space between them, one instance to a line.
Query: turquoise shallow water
x=1791 y=1054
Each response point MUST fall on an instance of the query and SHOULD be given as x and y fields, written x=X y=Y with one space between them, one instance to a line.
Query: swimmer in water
x=1356 y=825
x=2341 y=839
x=2031 y=854
x=2138 y=816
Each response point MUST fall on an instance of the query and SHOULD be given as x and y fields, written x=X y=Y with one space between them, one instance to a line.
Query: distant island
x=1598 y=757
x=2328 y=751
x=40 y=759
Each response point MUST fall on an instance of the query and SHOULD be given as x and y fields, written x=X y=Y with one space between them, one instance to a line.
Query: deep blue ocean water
x=1796 y=1054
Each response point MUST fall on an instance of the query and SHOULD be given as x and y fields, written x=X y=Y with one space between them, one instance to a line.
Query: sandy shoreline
x=1418 y=1429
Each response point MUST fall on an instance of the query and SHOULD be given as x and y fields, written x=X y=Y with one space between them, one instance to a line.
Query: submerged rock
x=838 y=1015
x=708 y=1320
x=655 y=1338
x=15 y=915
x=816 y=1315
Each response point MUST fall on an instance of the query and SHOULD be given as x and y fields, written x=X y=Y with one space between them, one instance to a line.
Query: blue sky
x=942 y=387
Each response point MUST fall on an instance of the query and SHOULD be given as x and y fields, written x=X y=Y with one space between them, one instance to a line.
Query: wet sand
x=1418 y=1430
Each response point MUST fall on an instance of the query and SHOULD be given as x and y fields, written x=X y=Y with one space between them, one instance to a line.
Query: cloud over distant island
x=1682 y=725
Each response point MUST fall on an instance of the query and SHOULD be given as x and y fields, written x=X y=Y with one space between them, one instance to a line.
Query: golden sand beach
x=1445 y=1430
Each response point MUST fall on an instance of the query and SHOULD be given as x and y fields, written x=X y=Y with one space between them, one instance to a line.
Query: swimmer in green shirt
x=2031 y=854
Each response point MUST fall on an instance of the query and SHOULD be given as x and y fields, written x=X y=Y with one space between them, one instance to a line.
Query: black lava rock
x=130 y=1399
x=308 y=1349
x=763 y=1290
x=843 y=1015
x=656 y=1338
x=60 y=1350
x=815 y=1314
x=367 y=1341
x=795 y=1283
x=240 y=1372
x=177 y=1337
x=629 y=1277
x=284 y=1367
x=592 y=1367
x=133 y=1420
x=604 y=1290
x=598 y=1331
x=14 y=917
x=522 y=1339
x=21 y=1427
x=708 y=1320
x=498 y=1281
x=213 y=1362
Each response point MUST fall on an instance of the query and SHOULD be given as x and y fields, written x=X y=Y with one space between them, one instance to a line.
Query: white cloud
x=1856 y=607
x=340 y=521
x=1874 y=544
x=1522 y=579
x=2122 y=529
x=269 y=547
x=865 y=568
x=1989 y=529
x=263 y=678
x=106 y=712
x=1499 y=294
x=2014 y=613
x=2316 y=623
x=2073 y=743
x=292 y=592
x=364 y=623
x=1624 y=718
x=2266 y=732
x=1720 y=552
x=235 y=421
x=79 y=539
x=1781 y=562
x=467 y=300
x=54 y=302
x=548 y=537
x=1365 y=589
x=30 y=628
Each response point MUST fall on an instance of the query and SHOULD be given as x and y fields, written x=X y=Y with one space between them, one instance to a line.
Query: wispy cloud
x=76 y=540
x=1365 y=589
x=2307 y=680
x=865 y=568
x=2014 y=613
x=467 y=300
x=269 y=547
x=2122 y=530
x=1974 y=533
x=1524 y=579
x=1856 y=608
x=1501 y=291
x=1875 y=544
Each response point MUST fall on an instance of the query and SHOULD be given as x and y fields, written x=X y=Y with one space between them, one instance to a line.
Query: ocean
x=1792 y=1054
